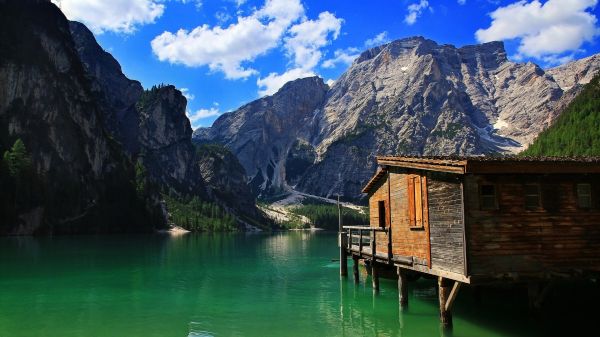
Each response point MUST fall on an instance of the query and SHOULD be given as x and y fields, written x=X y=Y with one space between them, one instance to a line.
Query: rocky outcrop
x=47 y=101
x=153 y=128
x=116 y=93
x=262 y=133
x=410 y=96
x=165 y=141
x=226 y=179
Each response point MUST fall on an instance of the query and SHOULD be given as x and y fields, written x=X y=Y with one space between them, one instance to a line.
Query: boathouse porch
x=479 y=221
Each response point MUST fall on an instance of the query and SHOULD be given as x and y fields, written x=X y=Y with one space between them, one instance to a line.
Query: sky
x=223 y=54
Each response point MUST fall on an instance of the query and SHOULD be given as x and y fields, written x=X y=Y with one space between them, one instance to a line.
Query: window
x=532 y=196
x=417 y=195
x=487 y=196
x=382 y=213
x=584 y=195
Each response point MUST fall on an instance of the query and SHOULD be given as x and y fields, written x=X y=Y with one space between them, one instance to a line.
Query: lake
x=282 y=284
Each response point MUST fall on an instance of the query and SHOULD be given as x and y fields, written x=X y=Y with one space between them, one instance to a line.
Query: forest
x=576 y=132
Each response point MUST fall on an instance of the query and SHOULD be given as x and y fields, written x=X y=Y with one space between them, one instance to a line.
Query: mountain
x=410 y=96
x=576 y=132
x=61 y=172
x=151 y=125
x=88 y=149
x=264 y=133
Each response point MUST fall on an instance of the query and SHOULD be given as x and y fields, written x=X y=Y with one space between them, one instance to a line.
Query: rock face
x=262 y=133
x=152 y=126
x=116 y=93
x=47 y=101
x=165 y=142
x=226 y=179
x=410 y=96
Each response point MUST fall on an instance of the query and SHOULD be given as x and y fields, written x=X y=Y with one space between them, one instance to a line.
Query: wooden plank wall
x=555 y=238
x=406 y=241
x=380 y=194
x=446 y=222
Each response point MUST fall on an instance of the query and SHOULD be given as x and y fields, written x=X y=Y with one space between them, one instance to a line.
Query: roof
x=487 y=165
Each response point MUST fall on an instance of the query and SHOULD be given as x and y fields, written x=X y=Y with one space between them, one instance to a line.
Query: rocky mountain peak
x=409 y=96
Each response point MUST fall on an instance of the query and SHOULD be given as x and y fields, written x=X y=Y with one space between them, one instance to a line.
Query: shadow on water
x=282 y=284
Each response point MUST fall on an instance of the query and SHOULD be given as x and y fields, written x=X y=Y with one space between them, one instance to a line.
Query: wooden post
x=375 y=276
x=355 y=269
x=343 y=252
x=402 y=288
x=444 y=295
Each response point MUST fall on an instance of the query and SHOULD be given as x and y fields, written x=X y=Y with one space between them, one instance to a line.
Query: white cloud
x=545 y=31
x=330 y=82
x=341 y=56
x=187 y=94
x=226 y=49
x=414 y=11
x=462 y=2
x=196 y=116
x=121 y=16
x=307 y=37
x=303 y=46
x=270 y=84
x=377 y=40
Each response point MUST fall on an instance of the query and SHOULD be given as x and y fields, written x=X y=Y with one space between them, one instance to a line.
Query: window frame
x=538 y=206
x=482 y=206
x=589 y=195
x=381 y=210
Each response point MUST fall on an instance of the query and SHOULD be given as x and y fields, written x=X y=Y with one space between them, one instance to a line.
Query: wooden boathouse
x=479 y=220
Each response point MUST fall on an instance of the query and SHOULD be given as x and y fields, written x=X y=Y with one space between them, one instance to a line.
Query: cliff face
x=226 y=180
x=47 y=101
x=165 y=141
x=152 y=126
x=263 y=133
x=117 y=95
x=411 y=96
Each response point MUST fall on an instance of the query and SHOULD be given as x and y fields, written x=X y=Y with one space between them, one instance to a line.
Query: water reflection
x=282 y=284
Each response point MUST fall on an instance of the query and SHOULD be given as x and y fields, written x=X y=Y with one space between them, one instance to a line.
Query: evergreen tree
x=576 y=132
x=17 y=160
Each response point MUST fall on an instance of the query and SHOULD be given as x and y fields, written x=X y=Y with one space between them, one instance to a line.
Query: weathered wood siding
x=446 y=222
x=380 y=194
x=514 y=241
x=406 y=241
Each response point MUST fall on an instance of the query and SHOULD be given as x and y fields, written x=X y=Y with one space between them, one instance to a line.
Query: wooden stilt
x=375 y=276
x=355 y=269
x=343 y=243
x=537 y=293
x=402 y=287
x=444 y=295
x=343 y=256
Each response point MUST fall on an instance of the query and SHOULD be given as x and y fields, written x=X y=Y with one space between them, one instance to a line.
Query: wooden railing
x=352 y=232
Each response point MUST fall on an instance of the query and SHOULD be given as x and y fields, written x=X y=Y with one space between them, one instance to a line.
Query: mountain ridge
x=410 y=96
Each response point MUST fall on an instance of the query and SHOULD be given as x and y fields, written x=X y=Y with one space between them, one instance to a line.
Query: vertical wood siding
x=446 y=222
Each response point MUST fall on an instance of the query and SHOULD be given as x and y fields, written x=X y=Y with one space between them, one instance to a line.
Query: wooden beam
x=424 y=166
x=452 y=295
x=375 y=276
x=437 y=272
x=444 y=295
x=402 y=287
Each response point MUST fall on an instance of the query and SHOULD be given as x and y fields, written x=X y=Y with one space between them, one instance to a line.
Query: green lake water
x=282 y=284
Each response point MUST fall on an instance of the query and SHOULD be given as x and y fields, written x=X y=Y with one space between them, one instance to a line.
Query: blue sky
x=225 y=53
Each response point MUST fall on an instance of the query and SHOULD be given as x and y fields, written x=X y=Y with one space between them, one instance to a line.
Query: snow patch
x=500 y=124
x=404 y=68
